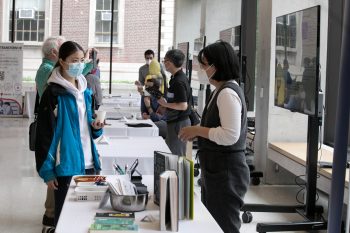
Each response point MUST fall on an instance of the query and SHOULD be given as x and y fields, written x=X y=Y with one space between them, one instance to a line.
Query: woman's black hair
x=223 y=57
x=67 y=49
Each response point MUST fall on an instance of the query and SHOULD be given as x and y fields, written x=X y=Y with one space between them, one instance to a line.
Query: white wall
x=168 y=26
x=220 y=15
x=187 y=21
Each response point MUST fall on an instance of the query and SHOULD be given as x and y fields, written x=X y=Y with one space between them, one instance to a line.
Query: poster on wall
x=11 y=74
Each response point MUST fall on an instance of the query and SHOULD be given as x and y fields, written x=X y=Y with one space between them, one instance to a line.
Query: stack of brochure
x=121 y=185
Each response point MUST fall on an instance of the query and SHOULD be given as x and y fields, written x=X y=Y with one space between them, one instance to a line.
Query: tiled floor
x=23 y=192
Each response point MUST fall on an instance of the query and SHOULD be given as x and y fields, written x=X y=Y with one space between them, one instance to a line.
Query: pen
x=126 y=168
x=134 y=166
x=118 y=169
x=121 y=170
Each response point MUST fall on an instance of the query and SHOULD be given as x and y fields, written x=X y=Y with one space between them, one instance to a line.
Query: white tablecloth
x=116 y=112
x=124 y=150
x=133 y=100
x=119 y=128
x=76 y=217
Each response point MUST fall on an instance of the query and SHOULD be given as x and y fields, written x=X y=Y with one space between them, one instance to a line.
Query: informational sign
x=11 y=75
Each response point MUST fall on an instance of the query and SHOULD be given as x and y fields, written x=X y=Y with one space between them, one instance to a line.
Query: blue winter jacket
x=58 y=149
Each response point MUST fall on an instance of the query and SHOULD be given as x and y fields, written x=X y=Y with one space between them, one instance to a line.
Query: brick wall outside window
x=140 y=28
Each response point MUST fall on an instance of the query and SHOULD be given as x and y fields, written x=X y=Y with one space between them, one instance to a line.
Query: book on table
x=113 y=222
x=113 y=228
x=185 y=169
x=115 y=215
x=169 y=201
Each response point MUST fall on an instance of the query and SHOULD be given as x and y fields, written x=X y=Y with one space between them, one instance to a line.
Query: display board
x=297 y=61
x=11 y=75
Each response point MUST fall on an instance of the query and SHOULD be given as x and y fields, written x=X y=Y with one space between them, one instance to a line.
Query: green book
x=123 y=221
x=96 y=228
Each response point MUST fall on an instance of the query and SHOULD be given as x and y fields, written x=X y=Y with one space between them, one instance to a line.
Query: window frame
x=120 y=26
x=5 y=27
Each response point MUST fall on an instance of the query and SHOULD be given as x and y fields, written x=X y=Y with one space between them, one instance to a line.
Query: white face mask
x=148 y=61
x=75 y=69
x=203 y=77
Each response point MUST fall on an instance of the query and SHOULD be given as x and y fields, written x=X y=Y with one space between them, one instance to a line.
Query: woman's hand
x=52 y=184
x=139 y=87
x=97 y=124
x=147 y=101
x=145 y=116
x=162 y=101
x=188 y=133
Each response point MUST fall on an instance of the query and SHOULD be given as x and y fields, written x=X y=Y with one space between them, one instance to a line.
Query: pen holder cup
x=129 y=203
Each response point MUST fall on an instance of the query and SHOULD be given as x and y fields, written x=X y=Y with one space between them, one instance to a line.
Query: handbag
x=32 y=126
x=32 y=134
x=194 y=117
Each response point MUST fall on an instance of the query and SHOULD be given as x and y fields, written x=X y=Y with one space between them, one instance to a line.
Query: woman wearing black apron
x=222 y=137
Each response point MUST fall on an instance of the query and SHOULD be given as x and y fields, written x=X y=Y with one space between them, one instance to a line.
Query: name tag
x=170 y=95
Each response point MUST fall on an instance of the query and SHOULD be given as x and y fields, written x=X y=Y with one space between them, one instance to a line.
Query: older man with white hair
x=50 y=56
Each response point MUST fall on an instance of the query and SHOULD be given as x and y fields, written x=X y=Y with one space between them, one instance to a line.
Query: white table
x=124 y=150
x=119 y=128
x=116 y=112
x=78 y=216
x=123 y=101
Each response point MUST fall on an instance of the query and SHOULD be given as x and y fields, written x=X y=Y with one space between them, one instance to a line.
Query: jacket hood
x=154 y=67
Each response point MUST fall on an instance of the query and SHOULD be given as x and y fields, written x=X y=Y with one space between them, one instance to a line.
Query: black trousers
x=225 y=180
x=61 y=192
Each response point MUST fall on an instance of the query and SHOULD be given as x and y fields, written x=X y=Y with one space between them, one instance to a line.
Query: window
x=29 y=20
x=286 y=31
x=237 y=36
x=103 y=18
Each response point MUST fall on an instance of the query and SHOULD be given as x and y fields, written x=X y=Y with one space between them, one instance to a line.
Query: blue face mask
x=75 y=69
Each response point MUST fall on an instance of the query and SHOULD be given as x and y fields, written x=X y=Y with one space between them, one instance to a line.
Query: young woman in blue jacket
x=66 y=128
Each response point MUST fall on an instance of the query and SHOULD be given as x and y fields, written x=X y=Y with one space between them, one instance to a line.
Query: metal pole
x=159 y=28
x=341 y=130
x=13 y=21
x=61 y=16
x=111 y=51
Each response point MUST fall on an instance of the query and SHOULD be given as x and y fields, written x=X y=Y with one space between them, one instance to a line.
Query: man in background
x=144 y=71
x=50 y=56
x=178 y=101
x=93 y=82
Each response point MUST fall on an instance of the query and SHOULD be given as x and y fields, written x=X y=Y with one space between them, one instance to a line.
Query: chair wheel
x=255 y=180
x=247 y=217
x=196 y=172
x=199 y=182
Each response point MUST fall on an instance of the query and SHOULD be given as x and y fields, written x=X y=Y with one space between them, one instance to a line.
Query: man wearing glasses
x=178 y=101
